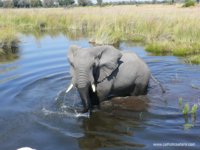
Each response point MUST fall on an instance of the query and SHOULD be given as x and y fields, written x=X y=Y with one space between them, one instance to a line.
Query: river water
x=36 y=112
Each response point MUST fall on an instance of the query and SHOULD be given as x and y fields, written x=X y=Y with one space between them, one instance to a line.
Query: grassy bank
x=163 y=29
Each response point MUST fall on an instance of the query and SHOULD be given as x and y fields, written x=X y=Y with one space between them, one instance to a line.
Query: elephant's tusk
x=25 y=148
x=93 y=88
x=69 y=88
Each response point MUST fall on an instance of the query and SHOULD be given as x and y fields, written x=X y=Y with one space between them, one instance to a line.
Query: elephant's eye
x=71 y=64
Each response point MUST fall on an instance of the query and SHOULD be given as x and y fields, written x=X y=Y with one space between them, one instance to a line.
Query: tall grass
x=162 y=28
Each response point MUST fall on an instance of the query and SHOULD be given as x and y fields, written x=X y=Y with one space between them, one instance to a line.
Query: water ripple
x=35 y=107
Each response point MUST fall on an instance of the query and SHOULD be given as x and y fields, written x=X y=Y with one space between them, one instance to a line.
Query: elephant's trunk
x=83 y=85
x=84 y=94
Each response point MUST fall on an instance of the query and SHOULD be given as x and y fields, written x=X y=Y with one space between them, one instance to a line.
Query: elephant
x=103 y=72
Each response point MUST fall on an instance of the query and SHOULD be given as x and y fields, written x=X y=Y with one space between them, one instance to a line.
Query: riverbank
x=163 y=29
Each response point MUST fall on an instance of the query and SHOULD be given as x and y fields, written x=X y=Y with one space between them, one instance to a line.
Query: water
x=35 y=112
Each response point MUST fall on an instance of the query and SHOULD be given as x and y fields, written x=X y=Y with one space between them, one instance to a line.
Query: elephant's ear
x=108 y=62
x=72 y=52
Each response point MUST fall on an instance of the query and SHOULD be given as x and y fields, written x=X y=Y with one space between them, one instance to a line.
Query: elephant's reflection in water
x=114 y=125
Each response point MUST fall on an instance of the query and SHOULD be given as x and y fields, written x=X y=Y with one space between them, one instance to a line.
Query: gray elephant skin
x=103 y=72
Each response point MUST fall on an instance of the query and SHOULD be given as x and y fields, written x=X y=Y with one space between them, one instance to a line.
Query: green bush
x=189 y=3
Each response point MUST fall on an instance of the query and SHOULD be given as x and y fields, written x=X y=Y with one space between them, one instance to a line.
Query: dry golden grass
x=162 y=28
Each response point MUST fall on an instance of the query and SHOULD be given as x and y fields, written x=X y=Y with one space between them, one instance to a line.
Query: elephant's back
x=137 y=66
x=133 y=61
x=132 y=66
x=130 y=57
x=126 y=73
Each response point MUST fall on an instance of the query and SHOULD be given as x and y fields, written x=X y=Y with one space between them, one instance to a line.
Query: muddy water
x=35 y=112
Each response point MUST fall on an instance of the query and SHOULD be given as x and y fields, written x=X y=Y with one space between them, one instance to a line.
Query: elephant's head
x=90 y=66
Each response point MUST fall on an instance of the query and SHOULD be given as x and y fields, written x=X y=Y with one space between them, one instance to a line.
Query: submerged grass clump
x=188 y=126
x=8 y=44
x=195 y=59
x=187 y=113
x=186 y=109
x=194 y=109
x=163 y=29
x=8 y=39
x=180 y=101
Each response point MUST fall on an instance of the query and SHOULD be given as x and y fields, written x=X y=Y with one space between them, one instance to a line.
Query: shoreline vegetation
x=163 y=29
